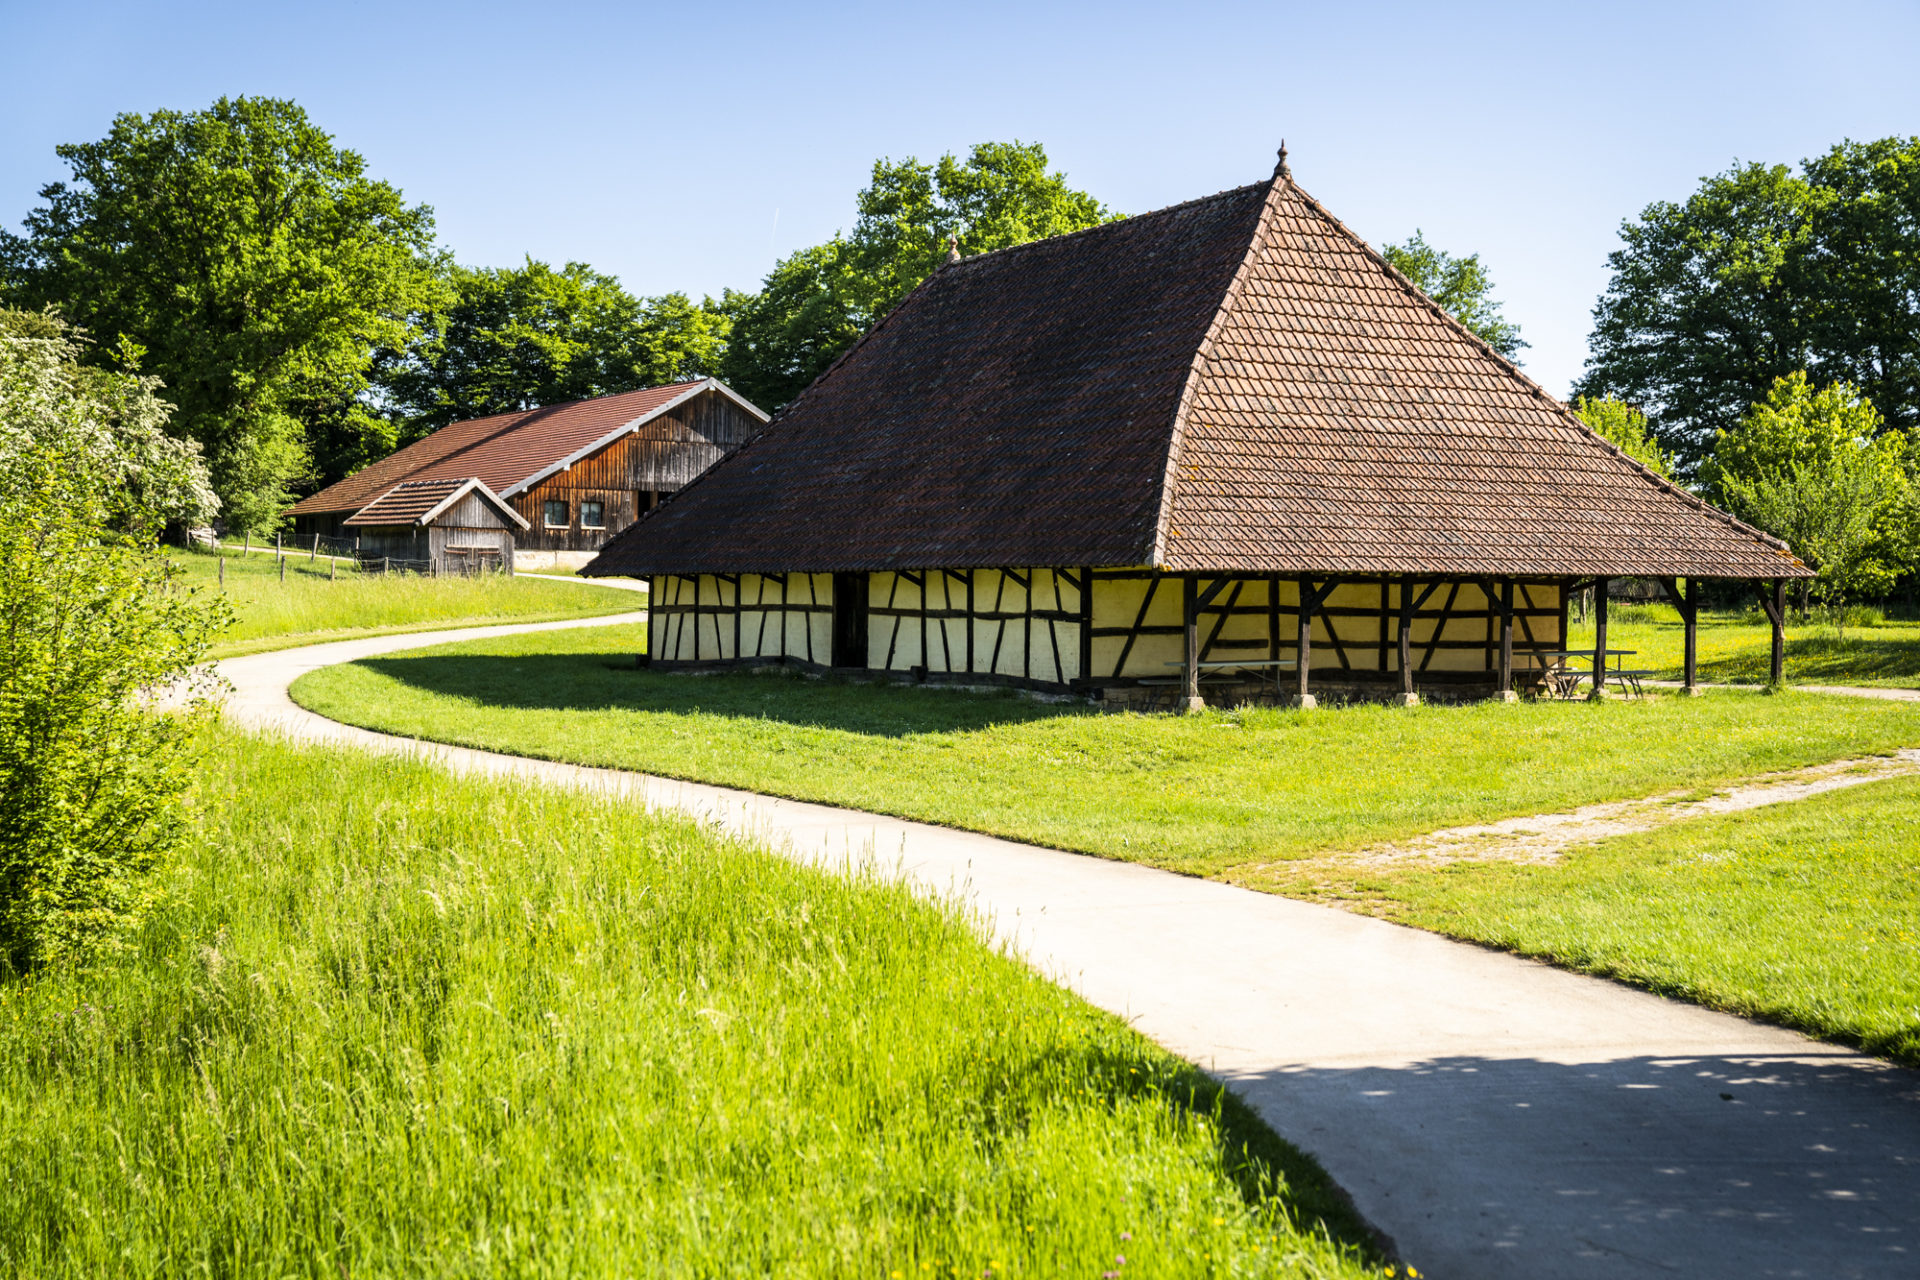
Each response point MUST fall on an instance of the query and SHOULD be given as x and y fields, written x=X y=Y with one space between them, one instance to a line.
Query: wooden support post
x=971 y=624
x=1506 y=642
x=1773 y=598
x=1190 y=608
x=1407 y=696
x=1304 y=653
x=1599 y=689
x=1086 y=622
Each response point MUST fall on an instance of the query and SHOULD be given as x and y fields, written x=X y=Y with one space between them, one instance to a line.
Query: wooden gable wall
x=629 y=475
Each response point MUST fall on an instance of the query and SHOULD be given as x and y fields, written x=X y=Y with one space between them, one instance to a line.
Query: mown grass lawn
x=1736 y=648
x=393 y=1023
x=1198 y=794
x=1807 y=913
x=310 y=606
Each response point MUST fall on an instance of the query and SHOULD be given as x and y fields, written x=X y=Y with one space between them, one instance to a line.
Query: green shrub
x=97 y=647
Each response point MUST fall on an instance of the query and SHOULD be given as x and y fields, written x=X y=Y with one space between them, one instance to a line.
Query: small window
x=593 y=515
x=556 y=515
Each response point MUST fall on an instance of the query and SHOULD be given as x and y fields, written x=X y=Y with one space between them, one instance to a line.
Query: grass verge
x=1198 y=794
x=1806 y=914
x=310 y=607
x=1736 y=648
x=395 y=1023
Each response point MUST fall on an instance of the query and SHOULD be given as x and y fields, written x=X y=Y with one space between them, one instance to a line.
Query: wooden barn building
x=456 y=526
x=575 y=474
x=1218 y=451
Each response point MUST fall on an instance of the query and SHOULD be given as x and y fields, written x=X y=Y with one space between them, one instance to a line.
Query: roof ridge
x=1196 y=369
x=1514 y=371
x=1124 y=220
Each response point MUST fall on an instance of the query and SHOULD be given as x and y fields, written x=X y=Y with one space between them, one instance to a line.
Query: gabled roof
x=1236 y=384
x=512 y=451
x=421 y=502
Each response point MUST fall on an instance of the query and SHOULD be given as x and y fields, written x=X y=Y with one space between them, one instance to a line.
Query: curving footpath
x=1492 y=1116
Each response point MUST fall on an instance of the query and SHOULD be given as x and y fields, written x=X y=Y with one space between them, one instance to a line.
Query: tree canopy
x=1813 y=467
x=816 y=303
x=1461 y=286
x=520 y=337
x=1623 y=425
x=251 y=261
x=1759 y=274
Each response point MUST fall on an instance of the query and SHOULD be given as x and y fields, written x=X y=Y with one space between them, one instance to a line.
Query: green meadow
x=1736 y=648
x=391 y=1023
x=1198 y=794
x=1806 y=913
x=320 y=599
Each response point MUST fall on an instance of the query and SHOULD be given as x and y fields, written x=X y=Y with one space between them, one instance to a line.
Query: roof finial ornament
x=1280 y=170
x=953 y=248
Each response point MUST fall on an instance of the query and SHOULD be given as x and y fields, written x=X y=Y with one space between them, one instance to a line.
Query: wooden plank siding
x=629 y=475
x=1035 y=628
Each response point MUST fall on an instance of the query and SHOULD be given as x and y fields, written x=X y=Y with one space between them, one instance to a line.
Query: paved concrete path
x=1494 y=1117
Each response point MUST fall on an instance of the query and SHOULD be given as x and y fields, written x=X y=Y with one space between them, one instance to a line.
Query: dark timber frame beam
x=1688 y=603
x=1773 y=599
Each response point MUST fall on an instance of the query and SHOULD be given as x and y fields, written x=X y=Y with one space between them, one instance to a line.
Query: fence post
x=283 y=568
x=246 y=545
x=276 y=545
x=316 y=549
x=223 y=565
x=333 y=567
x=384 y=564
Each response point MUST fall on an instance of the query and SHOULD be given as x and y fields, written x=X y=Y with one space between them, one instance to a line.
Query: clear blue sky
x=685 y=146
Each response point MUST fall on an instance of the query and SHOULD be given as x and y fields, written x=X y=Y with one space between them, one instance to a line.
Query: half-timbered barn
x=575 y=473
x=1220 y=451
x=451 y=526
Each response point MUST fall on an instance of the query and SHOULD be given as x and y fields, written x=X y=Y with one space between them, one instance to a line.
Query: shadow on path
x=1705 y=1166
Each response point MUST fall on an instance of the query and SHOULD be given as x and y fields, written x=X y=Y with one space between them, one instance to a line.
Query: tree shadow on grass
x=1825 y=658
x=598 y=682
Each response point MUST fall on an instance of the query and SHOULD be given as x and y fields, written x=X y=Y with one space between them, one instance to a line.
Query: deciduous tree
x=1621 y=424
x=1461 y=286
x=252 y=260
x=521 y=337
x=817 y=302
x=1813 y=467
x=1760 y=273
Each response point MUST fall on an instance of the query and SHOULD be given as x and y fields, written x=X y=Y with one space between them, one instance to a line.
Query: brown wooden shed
x=1221 y=450
x=575 y=473
x=440 y=526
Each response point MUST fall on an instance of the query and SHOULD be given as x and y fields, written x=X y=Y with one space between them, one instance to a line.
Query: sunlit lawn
x=1197 y=793
x=390 y=1023
x=1736 y=648
x=1805 y=913
x=321 y=600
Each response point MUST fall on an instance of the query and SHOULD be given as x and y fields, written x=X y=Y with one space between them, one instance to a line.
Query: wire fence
x=346 y=554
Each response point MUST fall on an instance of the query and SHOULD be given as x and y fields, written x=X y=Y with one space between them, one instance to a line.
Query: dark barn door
x=849 y=619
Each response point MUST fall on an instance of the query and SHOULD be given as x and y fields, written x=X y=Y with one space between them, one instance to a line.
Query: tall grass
x=397 y=1024
x=321 y=601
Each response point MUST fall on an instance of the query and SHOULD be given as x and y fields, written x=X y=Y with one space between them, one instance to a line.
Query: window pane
x=557 y=514
x=592 y=516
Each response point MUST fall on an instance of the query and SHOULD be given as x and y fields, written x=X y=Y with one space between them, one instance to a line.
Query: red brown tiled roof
x=506 y=451
x=1236 y=384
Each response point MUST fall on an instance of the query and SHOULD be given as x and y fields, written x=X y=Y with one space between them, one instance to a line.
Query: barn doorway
x=849 y=619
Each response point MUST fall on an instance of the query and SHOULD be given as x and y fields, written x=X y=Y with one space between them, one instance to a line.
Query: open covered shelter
x=1219 y=451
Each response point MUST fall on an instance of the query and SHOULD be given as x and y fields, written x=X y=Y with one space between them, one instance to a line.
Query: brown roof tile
x=507 y=450
x=1237 y=384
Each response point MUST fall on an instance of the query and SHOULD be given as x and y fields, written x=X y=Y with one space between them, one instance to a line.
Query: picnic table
x=1563 y=679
